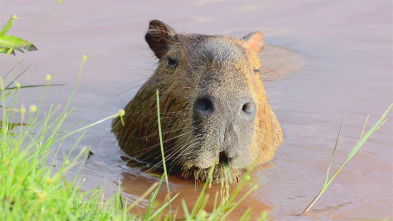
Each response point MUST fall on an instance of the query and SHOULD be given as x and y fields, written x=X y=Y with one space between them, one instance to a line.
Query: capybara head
x=213 y=105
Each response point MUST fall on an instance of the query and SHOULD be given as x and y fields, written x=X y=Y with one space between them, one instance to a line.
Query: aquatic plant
x=9 y=43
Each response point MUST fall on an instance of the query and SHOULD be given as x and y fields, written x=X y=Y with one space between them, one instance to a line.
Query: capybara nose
x=204 y=106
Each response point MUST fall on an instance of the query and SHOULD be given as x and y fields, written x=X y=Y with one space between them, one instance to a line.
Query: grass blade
x=185 y=209
x=334 y=150
x=162 y=150
x=201 y=196
x=153 y=198
x=364 y=127
x=368 y=134
x=144 y=195
x=7 y=26
x=163 y=207
x=35 y=85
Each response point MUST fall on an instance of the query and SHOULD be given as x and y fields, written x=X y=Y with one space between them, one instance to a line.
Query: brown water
x=347 y=48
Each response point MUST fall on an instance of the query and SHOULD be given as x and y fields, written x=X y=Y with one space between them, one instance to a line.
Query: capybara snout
x=213 y=104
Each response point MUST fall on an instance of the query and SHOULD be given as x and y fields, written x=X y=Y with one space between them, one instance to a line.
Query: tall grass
x=162 y=152
x=31 y=186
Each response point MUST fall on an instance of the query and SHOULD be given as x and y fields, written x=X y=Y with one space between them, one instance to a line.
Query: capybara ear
x=160 y=37
x=254 y=41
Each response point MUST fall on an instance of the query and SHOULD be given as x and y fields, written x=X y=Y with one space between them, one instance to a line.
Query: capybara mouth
x=222 y=159
x=222 y=173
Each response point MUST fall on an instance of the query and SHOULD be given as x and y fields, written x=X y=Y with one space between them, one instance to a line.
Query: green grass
x=31 y=186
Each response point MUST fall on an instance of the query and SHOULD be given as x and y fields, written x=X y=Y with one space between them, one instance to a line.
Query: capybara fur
x=213 y=106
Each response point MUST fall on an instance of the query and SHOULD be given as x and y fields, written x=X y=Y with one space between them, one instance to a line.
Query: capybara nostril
x=204 y=106
x=249 y=108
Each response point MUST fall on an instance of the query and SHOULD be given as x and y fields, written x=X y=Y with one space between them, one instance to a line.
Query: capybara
x=214 y=109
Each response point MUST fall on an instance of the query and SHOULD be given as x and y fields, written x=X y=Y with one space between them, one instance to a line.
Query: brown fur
x=224 y=68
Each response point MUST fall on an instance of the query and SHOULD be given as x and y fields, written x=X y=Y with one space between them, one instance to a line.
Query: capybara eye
x=171 y=63
x=256 y=71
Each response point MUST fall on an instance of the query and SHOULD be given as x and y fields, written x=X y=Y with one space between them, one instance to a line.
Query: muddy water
x=347 y=48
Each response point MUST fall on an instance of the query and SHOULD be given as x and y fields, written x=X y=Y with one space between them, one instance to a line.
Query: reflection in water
x=347 y=51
